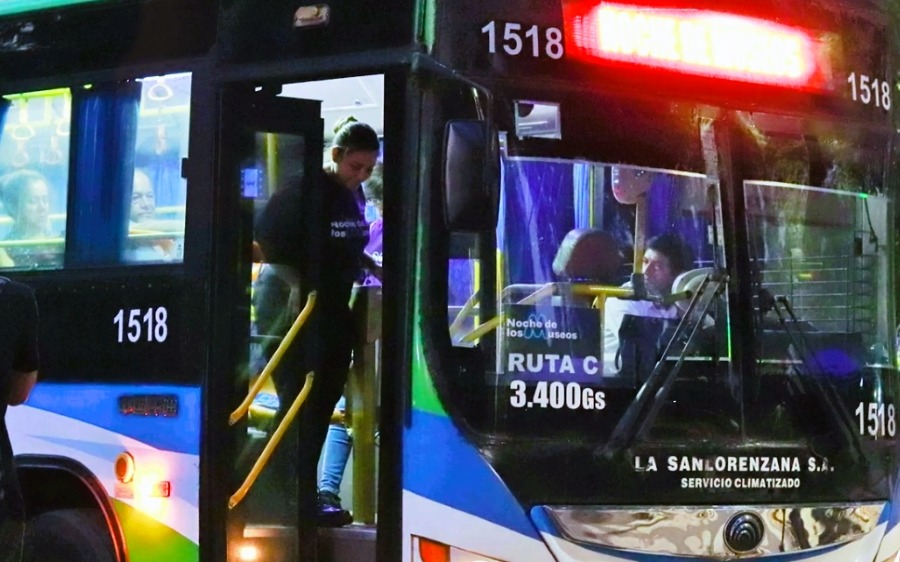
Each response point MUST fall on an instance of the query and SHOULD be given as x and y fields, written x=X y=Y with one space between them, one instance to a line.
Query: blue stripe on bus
x=547 y=526
x=100 y=450
x=439 y=465
x=98 y=404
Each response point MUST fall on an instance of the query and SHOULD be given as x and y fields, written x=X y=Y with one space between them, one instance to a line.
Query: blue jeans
x=335 y=454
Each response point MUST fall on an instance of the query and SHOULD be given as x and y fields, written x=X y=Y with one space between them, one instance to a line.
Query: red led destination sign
x=691 y=41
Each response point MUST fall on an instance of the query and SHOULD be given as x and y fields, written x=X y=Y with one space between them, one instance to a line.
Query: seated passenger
x=374 y=193
x=665 y=258
x=143 y=199
x=144 y=225
x=26 y=199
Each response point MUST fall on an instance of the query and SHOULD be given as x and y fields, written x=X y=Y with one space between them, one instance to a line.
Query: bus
x=536 y=154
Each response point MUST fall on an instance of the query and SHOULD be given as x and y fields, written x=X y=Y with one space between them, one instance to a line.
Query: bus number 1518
x=518 y=39
x=876 y=420
x=151 y=322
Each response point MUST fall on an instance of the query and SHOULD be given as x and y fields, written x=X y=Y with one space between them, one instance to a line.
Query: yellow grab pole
x=483 y=329
x=457 y=324
x=273 y=362
x=362 y=395
x=362 y=399
x=263 y=459
x=271 y=163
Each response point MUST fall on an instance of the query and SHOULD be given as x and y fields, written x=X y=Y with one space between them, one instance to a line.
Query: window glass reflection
x=157 y=212
x=34 y=169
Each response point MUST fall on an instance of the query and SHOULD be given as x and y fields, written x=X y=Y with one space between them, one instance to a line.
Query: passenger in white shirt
x=143 y=223
x=665 y=258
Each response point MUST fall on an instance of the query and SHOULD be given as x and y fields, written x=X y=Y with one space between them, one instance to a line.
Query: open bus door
x=267 y=141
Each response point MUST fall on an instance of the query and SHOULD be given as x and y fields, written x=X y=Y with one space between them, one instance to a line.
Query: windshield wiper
x=642 y=413
x=820 y=386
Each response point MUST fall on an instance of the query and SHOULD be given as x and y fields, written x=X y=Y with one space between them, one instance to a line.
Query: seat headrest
x=588 y=254
x=628 y=184
x=689 y=281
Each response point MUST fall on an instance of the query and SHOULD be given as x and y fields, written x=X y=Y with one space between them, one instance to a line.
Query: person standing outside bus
x=18 y=375
x=313 y=234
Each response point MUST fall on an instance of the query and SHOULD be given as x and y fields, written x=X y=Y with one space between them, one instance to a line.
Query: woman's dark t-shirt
x=316 y=227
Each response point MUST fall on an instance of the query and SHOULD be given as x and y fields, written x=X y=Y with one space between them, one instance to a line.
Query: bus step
x=353 y=543
x=270 y=532
x=272 y=543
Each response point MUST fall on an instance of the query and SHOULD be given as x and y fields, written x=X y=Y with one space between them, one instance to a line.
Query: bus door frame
x=244 y=109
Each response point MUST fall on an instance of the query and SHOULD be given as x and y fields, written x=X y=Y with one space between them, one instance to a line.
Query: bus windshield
x=628 y=319
x=581 y=327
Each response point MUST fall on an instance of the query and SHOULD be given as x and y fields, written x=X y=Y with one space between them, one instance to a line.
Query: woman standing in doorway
x=313 y=233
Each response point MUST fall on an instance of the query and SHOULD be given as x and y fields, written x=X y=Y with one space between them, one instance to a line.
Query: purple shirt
x=373 y=248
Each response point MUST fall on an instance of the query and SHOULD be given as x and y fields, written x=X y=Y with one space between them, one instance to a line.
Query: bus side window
x=157 y=203
x=34 y=169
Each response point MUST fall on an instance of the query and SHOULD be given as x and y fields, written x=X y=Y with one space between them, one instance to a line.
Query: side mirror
x=471 y=176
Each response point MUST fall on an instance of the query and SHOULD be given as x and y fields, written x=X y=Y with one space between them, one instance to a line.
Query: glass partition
x=609 y=277
x=821 y=276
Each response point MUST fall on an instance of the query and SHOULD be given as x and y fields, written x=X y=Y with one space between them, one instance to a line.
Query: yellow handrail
x=457 y=324
x=601 y=292
x=273 y=362
x=140 y=234
x=27 y=242
x=263 y=459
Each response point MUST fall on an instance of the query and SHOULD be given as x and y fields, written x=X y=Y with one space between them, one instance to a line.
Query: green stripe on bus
x=9 y=7
x=148 y=540
x=424 y=395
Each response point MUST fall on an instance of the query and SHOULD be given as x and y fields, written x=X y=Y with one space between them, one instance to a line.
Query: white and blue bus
x=534 y=152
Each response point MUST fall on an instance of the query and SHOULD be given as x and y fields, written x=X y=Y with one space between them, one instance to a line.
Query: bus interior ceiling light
x=691 y=41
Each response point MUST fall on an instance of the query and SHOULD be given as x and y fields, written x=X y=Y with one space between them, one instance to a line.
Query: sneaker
x=331 y=514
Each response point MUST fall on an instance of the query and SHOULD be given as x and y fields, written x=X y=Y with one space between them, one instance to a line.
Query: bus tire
x=73 y=535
